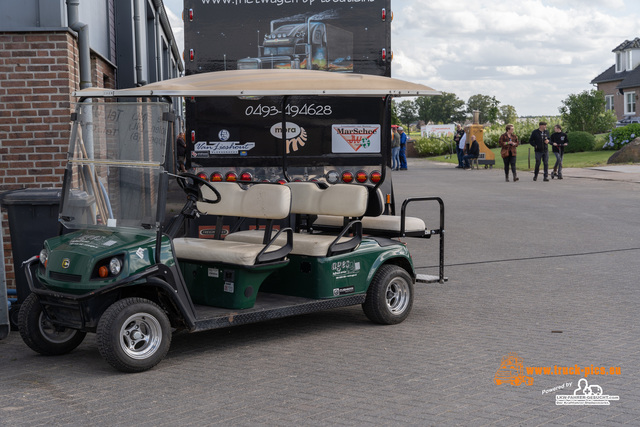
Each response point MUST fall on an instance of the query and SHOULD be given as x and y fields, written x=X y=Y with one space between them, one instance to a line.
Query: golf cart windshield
x=116 y=158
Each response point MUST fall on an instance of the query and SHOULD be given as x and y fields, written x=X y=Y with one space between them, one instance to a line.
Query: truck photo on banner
x=353 y=37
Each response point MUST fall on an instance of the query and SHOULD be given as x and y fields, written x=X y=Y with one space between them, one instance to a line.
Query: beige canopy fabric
x=270 y=83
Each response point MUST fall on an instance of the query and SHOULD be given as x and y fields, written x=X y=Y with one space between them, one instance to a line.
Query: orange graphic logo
x=511 y=371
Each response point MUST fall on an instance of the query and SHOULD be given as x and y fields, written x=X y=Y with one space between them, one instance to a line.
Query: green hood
x=74 y=258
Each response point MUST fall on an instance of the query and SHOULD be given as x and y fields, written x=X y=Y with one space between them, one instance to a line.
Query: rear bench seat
x=262 y=201
x=382 y=225
x=340 y=201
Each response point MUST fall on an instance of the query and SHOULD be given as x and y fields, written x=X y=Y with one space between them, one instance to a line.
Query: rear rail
x=395 y=226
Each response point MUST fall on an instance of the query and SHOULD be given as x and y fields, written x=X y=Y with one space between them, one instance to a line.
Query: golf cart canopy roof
x=269 y=83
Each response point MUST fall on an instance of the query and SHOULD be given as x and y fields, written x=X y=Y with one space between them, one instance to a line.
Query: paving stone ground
x=547 y=270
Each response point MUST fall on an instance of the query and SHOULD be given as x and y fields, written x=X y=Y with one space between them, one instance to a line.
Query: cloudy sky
x=530 y=54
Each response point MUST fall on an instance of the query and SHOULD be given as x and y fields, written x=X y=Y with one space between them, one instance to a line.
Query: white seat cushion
x=382 y=222
x=316 y=245
x=223 y=251
x=341 y=199
x=267 y=201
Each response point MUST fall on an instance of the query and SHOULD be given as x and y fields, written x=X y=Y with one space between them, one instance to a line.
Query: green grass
x=571 y=160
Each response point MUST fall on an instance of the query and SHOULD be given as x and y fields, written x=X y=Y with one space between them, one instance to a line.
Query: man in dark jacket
x=559 y=140
x=540 y=141
x=472 y=153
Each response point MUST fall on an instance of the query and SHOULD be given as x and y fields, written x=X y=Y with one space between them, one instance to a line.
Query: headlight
x=43 y=257
x=115 y=265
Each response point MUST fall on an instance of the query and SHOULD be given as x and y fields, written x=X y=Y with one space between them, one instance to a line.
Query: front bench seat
x=262 y=201
x=340 y=200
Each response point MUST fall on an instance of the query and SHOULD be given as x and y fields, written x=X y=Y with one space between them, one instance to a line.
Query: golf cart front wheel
x=41 y=335
x=390 y=296
x=134 y=335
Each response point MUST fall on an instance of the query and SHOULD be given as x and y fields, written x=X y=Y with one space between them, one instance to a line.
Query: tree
x=487 y=105
x=394 y=115
x=585 y=112
x=507 y=114
x=407 y=112
x=446 y=108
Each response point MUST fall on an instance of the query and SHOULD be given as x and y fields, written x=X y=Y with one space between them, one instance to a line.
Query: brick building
x=50 y=48
x=621 y=82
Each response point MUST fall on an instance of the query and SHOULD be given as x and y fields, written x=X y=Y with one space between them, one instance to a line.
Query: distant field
x=571 y=160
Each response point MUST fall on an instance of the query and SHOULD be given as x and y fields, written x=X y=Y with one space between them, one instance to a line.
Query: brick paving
x=523 y=259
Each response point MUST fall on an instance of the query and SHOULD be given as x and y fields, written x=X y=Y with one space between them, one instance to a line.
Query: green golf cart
x=120 y=270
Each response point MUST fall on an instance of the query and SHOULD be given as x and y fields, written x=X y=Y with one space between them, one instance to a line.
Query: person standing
x=559 y=140
x=460 y=151
x=509 y=143
x=403 y=149
x=539 y=139
x=472 y=153
x=395 y=150
x=461 y=146
x=181 y=152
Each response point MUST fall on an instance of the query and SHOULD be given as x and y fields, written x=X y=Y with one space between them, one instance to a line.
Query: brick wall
x=38 y=72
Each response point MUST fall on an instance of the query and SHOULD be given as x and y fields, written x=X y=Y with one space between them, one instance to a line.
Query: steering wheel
x=194 y=189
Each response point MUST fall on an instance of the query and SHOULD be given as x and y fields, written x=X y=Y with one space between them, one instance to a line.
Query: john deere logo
x=66 y=263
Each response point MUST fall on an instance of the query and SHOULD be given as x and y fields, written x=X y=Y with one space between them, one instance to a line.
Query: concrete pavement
x=545 y=270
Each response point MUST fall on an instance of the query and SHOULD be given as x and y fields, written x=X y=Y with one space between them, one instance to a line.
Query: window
x=629 y=61
x=629 y=103
x=608 y=106
x=618 y=62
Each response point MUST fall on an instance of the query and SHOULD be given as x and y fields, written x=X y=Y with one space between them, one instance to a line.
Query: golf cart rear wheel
x=390 y=296
x=134 y=334
x=41 y=335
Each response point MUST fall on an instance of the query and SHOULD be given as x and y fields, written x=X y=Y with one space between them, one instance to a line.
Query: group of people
x=465 y=151
x=539 y=139
x=398 y=149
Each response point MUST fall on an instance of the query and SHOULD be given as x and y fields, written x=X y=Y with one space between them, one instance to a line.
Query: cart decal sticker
x=89 y=241
x=345 y=269
x=66 y=263
x=224 y=135
x=343 y=291
x=140 y=253
x=213 y=272
x=355 y=138
x=296 y=135
x=109 y=243
x=228 y=287
x=222 y=147
x=209 y=231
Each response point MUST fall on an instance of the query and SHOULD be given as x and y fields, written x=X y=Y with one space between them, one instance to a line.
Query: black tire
x=134 y=334
x=41 y=335
x=390 y=296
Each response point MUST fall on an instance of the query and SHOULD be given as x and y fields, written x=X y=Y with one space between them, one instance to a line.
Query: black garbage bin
x=33 y=218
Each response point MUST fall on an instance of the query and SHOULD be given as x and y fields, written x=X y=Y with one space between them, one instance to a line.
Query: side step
x=427 y=278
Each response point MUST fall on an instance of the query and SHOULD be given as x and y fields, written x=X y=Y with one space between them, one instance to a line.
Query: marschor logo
x=511 y=371
x=355 y=139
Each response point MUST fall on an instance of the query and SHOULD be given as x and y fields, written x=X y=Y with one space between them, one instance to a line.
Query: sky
x=531 y=54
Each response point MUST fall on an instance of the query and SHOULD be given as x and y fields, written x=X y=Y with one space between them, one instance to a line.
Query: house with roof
x=621 y=82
